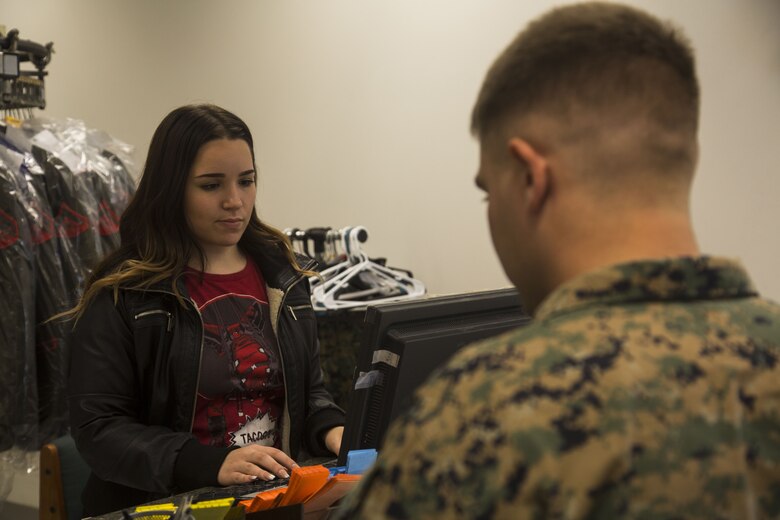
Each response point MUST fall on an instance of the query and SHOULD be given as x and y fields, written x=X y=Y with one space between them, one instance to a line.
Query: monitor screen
x=404 y=342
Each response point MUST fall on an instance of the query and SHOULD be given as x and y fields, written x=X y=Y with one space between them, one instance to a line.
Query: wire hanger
x=335 y=288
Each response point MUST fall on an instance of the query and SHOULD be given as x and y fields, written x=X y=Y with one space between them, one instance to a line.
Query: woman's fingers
x=275 y=461
x=265 y=467
x=254 y=462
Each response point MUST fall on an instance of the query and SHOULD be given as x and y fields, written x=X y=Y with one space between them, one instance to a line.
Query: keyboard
x=252 y=488
x=240 y=490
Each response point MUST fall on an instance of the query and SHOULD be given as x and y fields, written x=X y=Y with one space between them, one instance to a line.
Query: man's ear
x=536 y=170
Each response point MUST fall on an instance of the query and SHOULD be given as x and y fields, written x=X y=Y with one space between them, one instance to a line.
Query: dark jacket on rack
x=18 y=392
x=134 y=377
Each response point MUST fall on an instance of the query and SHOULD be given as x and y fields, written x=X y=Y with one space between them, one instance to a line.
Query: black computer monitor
x=404 y=342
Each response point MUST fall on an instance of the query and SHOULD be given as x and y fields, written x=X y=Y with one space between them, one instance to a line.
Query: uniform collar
x=673 y=279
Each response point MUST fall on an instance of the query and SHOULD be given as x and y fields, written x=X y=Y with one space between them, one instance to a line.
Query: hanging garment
x=70 y=194
x=75 y=207
x=51 y=295
x=18 y=391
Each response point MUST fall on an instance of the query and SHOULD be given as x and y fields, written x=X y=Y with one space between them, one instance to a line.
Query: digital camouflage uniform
x=339 y=333
x=644 y=390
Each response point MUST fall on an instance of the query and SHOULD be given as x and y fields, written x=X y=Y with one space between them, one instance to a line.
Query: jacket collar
x=273 y=263
x=277 y=270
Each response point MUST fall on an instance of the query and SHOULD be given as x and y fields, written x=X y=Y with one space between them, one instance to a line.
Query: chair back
x=63 y=477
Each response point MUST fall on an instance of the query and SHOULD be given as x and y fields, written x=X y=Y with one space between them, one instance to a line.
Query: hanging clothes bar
x=348 y=278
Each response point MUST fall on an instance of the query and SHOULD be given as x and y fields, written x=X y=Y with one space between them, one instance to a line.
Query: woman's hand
x=333 y=439
x=252 y=462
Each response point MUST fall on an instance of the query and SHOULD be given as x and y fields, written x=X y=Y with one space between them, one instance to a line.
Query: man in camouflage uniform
x=648 y=385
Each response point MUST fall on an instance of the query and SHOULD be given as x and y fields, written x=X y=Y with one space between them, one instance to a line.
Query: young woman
x=195 y=358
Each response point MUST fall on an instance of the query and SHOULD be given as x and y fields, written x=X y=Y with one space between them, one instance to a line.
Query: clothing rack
x=324 y=244
x=348 y=278
x=22 y=89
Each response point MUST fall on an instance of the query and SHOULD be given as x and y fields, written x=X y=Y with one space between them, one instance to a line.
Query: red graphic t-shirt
x=241 y=387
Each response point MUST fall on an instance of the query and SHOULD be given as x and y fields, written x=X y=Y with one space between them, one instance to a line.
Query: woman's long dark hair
x=156 y=242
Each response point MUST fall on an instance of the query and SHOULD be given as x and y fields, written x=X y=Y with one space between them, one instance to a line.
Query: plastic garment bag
x=64 y=188
x=102 y=163
x=75 y=207
x=18 y=391
x=52 y=296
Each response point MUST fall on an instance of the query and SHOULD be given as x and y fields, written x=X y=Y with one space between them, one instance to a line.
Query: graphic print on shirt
x=241 y=388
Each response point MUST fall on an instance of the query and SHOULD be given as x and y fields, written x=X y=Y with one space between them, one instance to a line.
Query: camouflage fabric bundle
x=340 y=333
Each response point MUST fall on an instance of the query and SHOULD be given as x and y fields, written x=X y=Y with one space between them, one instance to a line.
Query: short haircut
x=607 y=60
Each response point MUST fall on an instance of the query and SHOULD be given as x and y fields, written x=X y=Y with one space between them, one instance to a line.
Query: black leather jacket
x=133 y=379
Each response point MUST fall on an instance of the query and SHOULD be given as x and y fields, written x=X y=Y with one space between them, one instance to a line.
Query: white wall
x=360 y=109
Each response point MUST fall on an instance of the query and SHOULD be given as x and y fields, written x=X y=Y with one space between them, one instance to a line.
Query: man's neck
x=598 y=243
x=626 y=238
